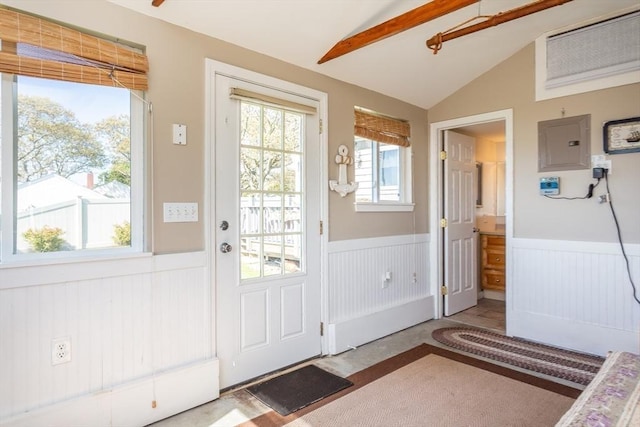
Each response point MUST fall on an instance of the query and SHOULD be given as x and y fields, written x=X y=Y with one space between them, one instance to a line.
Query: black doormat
x=296 y=389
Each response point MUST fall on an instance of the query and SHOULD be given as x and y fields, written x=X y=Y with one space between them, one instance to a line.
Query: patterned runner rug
x=572 y=366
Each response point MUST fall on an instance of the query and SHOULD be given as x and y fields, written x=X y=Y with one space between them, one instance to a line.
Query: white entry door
x=267 y=218
x=460 y=238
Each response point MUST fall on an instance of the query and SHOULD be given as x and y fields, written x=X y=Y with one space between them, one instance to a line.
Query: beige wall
x=511 y=85
x=177 y=91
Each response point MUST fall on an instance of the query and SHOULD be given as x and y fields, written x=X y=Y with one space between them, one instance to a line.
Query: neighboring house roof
x=51 y=189
x=114 y=190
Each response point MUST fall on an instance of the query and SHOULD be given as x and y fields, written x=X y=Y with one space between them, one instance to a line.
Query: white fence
x=86 y=223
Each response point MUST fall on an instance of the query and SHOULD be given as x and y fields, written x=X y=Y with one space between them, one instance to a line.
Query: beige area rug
x=433 y=386
x=435 y=391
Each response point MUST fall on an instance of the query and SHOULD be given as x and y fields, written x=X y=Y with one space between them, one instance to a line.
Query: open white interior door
x=460 y=238
x=267 y=218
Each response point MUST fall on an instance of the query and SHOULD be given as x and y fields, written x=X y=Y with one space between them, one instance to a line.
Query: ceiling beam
x=435 y=42
x=157 y=3
x=393 y=26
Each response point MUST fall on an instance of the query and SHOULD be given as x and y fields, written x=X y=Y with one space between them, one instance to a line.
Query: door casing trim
x=436 y=194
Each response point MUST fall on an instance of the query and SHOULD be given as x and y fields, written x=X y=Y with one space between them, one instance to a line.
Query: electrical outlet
x=600 y=161
x=61 y=350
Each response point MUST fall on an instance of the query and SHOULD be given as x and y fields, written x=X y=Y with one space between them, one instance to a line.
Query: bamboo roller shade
x=382 y=129
x=91 y=59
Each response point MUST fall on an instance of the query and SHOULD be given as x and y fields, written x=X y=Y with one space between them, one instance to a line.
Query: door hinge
x=321 y=126
x=443 y=223
x=443 y=290
x=321 y=228
x=321 y=329
x=443 y=155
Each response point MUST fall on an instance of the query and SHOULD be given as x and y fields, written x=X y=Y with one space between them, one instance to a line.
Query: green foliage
x=280 y=133
x=115 y=131
x=51 y=140
x=122 y=234
x=45 y=239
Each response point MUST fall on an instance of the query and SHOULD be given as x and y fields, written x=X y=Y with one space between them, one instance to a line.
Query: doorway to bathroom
x=491 y=223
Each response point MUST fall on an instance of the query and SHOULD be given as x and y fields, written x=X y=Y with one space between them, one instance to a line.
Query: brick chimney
x=90 y=180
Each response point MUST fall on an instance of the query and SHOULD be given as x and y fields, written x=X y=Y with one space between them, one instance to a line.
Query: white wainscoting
x=140 y=331
x=360 y=308
x=575 y=295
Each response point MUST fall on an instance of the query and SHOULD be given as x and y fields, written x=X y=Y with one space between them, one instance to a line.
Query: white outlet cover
x=60 y=350
x=601 y=161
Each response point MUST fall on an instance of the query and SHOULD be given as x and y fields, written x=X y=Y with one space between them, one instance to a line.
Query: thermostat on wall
x=549 y=185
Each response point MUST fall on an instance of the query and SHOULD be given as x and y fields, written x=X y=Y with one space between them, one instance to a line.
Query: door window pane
x=250 y=260
x=272 y=128
x=271 y=185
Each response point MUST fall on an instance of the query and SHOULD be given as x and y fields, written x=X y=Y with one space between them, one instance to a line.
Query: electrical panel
x=549 y=186
x=564 y=144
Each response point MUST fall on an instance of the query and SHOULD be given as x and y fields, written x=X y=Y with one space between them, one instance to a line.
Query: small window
x=382 y=158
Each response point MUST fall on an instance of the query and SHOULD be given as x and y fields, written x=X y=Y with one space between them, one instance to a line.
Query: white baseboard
x=495 y=295
x=131 y=404
x=354 y=332
x=564 y=333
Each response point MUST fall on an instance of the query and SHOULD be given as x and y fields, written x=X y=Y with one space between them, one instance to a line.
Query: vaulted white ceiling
x=302 y=31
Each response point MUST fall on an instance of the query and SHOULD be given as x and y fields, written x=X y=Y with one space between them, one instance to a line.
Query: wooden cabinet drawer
x=493 y=258
x=493 y=262
x=493 y=280
x=489 y=240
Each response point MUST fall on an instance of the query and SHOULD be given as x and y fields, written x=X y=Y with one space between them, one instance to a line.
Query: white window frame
x=137 y=199
x=405 y=204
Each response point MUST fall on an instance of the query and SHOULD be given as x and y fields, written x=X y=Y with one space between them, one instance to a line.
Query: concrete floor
x=237 y=406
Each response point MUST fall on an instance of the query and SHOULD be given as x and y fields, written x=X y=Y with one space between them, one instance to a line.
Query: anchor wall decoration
x=341 y=186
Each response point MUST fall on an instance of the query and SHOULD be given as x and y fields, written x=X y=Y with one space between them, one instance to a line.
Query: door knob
x=225 y=248
x=224 y=225
x=475 y=229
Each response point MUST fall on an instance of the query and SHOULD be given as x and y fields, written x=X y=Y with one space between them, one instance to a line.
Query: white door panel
x=460 y=240
x=268 y=192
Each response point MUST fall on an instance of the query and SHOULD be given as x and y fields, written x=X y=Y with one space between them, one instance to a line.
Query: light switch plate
x=180 y=212
x=179 y=134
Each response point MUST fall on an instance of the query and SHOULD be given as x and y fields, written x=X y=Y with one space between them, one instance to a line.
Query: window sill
x=70 y=258
x=384 y=207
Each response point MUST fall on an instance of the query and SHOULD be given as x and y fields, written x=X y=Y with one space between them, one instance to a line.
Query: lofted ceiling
x=302 y=31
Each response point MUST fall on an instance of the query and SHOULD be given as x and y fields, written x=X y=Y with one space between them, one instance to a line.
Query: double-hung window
x=382 y=158
x=71 y=141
